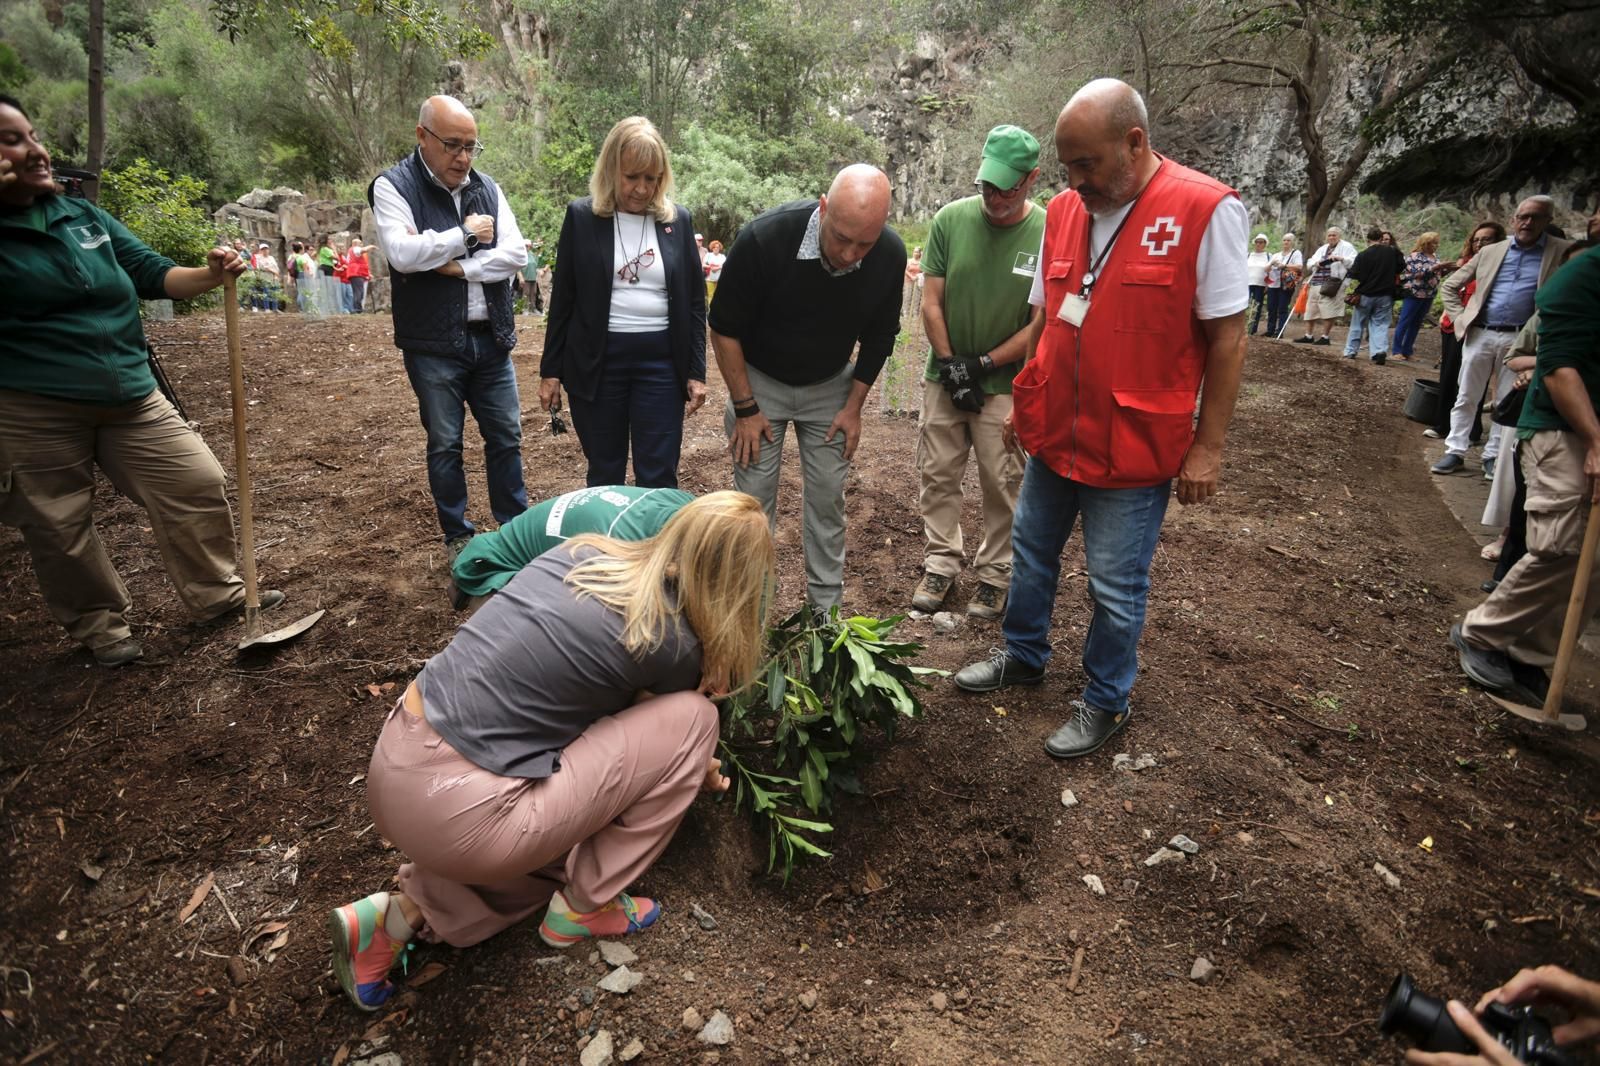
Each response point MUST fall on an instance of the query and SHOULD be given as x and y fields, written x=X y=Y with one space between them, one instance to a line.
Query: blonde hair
x=713 y=564
x=1426 y=239
x=636 y=142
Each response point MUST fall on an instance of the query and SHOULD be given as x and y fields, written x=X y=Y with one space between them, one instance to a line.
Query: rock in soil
x=238 y=972
x=1184 y=844
x=945 y=622
x=1095 y=884
x=634 y=1049
x=617 y=954
x=1378 y=868
x=707 y=922
x=1202 y=970
x=692 y=1020
x=621 y=980
x=939 y=1002
x=1068 y=798
x=808 y=999
x=719 y=1030
x=1125 y=761
x=1164 y=855
x=599 y=1052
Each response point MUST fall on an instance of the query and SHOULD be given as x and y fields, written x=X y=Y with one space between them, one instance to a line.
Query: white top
x=410 y=252
x=1256 y=267
x=1278 y=261
x=266 y=263
x=636 y=307
x=1221 y=288
x=1343 y=255
x=714 y=261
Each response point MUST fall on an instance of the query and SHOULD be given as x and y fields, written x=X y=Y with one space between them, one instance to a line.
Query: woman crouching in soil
x=544 y=759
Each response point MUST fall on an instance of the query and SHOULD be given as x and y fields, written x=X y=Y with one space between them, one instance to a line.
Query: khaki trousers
x=489 y=851
x=48 y=451
x=945 y=434
x=1523 y=615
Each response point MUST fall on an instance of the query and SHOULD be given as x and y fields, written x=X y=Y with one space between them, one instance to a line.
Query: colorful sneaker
x=365 y=948
x=562 y=926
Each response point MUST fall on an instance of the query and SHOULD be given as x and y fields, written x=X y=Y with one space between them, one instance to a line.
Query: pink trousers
x=489 y=851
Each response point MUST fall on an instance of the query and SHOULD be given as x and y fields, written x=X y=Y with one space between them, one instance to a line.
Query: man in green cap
x=978 y=270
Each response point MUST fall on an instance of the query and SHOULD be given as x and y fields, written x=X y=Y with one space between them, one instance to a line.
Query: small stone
x=599 y=1052
x=621 y=980
x=960 y=996
x=939 y=1002
x=688 y=976
x=549 y=960
x=634 y=1049
x=1382 y=871
x=617 y=954
x=1122 y=761
x=707 y=922
x=719 y=1030
x=587 y=995
x=388 y=1058
x=1085 y=859
x=1202 y=970
x=594 y=957
x=1244 y=838
x=1184 y=844
x=570 y=1004
x=1164 y=855
x=945 y=622
x=1068 y=798
x=1127 y=806
x=1145 y=762
x=691 y=1019
x=808 y=999
x=916 y=615
x=238 y=972
x=1095 y=884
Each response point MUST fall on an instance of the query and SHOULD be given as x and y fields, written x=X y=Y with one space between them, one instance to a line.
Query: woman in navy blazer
x=626 y=336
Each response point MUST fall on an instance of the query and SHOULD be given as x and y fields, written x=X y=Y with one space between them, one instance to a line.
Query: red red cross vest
x=1111 y=403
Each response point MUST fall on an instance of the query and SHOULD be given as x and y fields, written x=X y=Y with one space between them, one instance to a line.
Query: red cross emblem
x=1162 y=235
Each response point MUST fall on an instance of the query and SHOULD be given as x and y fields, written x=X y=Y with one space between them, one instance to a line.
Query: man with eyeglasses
x=453 y=248
x=803 y=285
x=983 y=252
x=1508 y=274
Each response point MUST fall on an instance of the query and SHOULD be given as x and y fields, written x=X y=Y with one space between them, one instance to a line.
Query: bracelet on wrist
x=746 y=410
x=740 y=403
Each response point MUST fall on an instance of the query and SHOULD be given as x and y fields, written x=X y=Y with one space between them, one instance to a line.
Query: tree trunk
x=97 y=96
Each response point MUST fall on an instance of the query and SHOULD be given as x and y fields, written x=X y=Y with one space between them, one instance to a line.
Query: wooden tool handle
x=1572 y=628
x=241 y=457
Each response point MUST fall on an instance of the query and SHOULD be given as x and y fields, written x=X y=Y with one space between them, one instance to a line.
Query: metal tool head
x=253 y=638
x=1575 y=722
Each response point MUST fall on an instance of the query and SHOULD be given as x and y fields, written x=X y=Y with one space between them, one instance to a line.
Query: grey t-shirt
x=537 y=664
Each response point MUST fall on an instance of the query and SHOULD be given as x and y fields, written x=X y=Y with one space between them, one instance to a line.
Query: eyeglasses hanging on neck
x=630 y=270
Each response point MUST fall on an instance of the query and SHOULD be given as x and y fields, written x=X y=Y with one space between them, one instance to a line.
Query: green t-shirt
x=325 y=256
x=622 y=511
x=535 y=261
x=988 y=272
x=1569 y=336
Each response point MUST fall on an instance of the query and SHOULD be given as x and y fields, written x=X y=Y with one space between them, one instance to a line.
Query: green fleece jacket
x=71 y=276
x=1569 y=336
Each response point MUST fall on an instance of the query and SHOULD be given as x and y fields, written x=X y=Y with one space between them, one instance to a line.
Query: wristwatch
x=986 y=361
x=471 y=240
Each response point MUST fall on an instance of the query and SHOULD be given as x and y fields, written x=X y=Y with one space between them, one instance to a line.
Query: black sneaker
x=996 y=672
x=1489 y=668
x=1307 y=339
x=1084 y=732
x=1323 y=340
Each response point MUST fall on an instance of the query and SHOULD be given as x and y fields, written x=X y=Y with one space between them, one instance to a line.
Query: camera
x=1426 y=1022
x=73 y=180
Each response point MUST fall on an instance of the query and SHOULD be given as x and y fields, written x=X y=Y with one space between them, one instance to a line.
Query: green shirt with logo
x=69 y=323
x=988 y=272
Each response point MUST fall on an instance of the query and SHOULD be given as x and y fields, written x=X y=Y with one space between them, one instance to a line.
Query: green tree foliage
x=164 y=211
x=720 y=179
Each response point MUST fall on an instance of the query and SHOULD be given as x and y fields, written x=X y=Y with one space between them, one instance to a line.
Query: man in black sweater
x=1375 y=272
x=805 y=283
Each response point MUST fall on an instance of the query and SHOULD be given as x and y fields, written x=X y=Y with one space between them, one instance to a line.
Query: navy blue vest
x=430 y=309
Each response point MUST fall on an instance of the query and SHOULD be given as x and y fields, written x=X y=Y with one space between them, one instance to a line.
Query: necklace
x=630 y=267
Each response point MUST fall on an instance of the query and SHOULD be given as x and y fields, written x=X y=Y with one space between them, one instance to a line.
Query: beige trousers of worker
x=48 y=452
x=1523 y=615
x=945 y=434
x=489 y=851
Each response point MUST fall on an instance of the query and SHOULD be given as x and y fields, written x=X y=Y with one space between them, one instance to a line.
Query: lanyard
x=1098 y=261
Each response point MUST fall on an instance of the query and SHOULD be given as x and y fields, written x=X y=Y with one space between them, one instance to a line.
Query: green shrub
x=164 y=211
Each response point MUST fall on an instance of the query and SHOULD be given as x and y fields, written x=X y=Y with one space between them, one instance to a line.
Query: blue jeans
x=1258 y=300
x=482 y=378
x=1120 y=527
x=1412 y=312
x=1278 y=304
x=1372 y=318
x=639 y=399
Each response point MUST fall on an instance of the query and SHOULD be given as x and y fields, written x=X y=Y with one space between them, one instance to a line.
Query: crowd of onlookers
x=328 y=280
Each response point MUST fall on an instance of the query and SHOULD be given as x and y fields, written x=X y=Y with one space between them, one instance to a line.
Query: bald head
x=443 y=121
x=854 y=212
x=1113 y=107
x=1102 y=138
x=435 y=108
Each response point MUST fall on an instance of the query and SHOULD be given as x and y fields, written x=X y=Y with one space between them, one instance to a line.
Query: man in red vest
x=1143 y=283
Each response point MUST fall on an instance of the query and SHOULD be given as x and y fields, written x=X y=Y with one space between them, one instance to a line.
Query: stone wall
x=283 y=215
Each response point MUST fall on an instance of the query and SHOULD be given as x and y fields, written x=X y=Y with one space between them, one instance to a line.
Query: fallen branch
x=327 y=465
x=1296 y=714
x=64 y=726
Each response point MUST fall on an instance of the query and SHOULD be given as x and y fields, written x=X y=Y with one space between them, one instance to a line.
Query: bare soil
x=1304 y=709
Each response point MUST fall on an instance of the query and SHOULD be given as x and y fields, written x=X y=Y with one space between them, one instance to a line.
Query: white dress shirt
x=410 y=252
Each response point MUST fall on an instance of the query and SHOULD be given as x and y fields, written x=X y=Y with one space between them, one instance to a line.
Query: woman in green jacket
x=76 y=392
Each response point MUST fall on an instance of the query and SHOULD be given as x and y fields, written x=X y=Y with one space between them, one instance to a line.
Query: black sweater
x=795 y=322
x=1376 y=269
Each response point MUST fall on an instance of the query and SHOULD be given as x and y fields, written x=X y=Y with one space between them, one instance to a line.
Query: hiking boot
x=1485 y=666
x=930 y=595
x=1448 y=465
x=1084 y=732
x=996 y=672
x=453 y=548
x=989 y=601
x=119 y=653
x=369 y=936
x=269 y=598
x=563 y=927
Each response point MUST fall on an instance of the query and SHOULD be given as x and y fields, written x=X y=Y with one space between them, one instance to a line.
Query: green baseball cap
x=1009 y=154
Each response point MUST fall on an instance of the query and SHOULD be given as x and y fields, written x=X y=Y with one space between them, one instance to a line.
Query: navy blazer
x=580 y=299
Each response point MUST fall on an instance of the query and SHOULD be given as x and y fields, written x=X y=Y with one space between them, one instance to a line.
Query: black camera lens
x=1421 y=1018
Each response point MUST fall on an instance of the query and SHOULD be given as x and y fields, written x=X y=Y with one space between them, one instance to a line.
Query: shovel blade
x=253 y=639
x=1575 y=722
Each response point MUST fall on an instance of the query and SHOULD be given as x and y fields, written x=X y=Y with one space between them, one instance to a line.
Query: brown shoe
x=988 y=602
x=930 y=595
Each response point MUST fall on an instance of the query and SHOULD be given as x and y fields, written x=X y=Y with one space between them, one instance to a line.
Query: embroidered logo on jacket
x=90 y=236
x=1162 y=235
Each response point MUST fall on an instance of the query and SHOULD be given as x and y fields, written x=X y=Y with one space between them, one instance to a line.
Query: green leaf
x=775 y=685
x=819 y=761
x=810 y=786
x=801 y=823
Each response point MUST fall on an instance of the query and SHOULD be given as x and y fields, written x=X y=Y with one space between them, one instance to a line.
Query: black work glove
x=959 y=377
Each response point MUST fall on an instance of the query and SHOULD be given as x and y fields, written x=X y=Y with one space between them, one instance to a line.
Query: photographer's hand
x=1492 y=1053
x=1552 y=984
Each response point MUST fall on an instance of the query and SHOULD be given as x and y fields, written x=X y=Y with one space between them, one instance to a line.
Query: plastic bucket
x=1423 y=403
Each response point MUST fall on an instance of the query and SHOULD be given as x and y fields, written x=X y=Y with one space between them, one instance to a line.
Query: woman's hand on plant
x=714 y=781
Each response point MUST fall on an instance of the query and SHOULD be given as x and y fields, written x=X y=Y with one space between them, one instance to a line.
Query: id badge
x=1073 y=309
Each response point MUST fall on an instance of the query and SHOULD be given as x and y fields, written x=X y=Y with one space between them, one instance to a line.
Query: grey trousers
x=811 y=409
